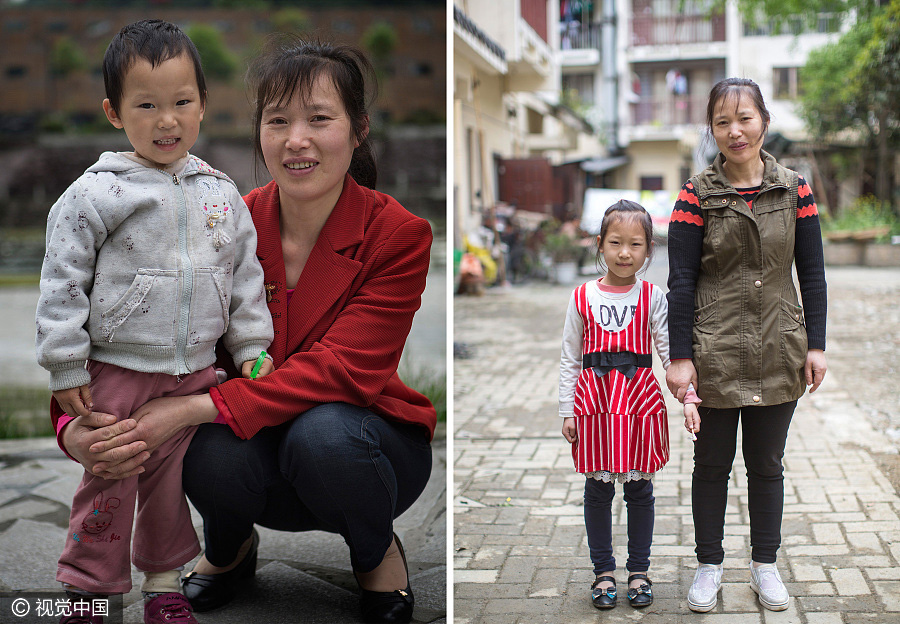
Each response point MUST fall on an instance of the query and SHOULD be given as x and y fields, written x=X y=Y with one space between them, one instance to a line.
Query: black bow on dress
x=626 y=362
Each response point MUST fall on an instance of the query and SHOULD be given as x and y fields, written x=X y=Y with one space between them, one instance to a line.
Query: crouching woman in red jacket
x=332 y=439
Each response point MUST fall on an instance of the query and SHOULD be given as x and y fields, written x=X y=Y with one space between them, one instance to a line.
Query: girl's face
x=160 y=110
x=738 y=129
x=625 y=249
x=307 y=145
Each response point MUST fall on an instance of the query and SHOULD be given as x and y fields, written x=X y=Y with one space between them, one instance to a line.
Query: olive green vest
x=749 y=335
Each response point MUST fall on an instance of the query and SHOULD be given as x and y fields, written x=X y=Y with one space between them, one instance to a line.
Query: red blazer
x=341 y=337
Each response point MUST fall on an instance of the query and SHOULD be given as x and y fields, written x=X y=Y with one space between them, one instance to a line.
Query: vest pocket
x=793 y=336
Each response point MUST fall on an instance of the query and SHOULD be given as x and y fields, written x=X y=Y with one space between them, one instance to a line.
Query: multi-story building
x=644 y=69
x=513 y=133
x=34 y=35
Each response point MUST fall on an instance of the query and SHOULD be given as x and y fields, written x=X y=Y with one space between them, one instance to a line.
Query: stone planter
x=862 y=253
x=565 y=272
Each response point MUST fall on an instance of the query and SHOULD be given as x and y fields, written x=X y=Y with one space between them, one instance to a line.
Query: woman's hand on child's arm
x=75 y=401
x=570 y=433
x=247 y=368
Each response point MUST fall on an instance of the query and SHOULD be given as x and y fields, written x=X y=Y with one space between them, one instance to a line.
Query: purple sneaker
x=168 y=609
x=85 y=616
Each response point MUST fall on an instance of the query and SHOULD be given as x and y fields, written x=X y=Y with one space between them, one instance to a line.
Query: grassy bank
x=24 y=412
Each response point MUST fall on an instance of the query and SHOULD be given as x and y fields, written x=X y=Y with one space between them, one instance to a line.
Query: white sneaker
x=703 y=595
x=766 y=582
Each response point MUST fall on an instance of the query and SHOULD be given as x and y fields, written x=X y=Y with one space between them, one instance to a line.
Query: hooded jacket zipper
x=187 y=282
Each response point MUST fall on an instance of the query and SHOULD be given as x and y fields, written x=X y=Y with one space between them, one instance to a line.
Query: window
x=16 y=71
x=15 y=25
x=786 y=82
x=535 y=121
x=581 y=85
x=651 y=183
x=793 y=25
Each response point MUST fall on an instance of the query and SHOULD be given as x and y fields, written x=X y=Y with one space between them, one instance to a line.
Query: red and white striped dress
x=622 y=423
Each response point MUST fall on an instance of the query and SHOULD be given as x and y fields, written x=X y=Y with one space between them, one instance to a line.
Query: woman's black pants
x=764 y=433
x=336 y=468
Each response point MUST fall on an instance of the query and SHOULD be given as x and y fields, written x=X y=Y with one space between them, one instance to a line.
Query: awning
x=602 y=165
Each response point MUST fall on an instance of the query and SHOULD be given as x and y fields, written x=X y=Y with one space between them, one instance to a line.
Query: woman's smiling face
x=307 y=144
x=738 y=128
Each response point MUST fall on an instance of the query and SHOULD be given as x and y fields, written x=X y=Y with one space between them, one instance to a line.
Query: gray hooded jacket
x=147 y=270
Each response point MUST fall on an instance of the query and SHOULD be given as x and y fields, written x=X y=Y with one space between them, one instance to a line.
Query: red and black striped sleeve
x=685 y=249
x=810 y=262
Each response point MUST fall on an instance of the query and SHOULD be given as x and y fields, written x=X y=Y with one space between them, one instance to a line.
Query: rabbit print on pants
x=98 y=521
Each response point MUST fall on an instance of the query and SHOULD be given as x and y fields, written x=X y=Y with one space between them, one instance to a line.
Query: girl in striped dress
x=613 y=411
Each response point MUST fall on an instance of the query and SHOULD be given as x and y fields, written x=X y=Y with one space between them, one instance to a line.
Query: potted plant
x=564 y=252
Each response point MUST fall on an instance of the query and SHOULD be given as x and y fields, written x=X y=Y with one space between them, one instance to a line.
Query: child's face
x=160 y=109
x=624 y=250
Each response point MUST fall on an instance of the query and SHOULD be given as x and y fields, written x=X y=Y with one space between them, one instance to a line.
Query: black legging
x=764 y=433
x=336 y=468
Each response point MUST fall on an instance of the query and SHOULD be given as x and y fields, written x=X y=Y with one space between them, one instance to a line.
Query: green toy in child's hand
x=258 y=365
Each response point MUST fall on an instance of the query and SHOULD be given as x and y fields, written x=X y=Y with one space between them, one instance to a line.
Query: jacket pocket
x=145 y=314
x=793 y=336
x=210 y=303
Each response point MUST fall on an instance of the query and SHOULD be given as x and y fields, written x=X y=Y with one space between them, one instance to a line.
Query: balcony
x=648 y=30
x=670 y=110
x=577 y=36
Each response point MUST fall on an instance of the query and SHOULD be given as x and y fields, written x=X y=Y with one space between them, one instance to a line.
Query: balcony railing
x=673 y=110
x=676 y=29
x=577 y=36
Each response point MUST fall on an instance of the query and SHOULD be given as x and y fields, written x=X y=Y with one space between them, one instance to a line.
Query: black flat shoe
x=640 y=596
x=206 y=592
x=395 y=606
x=604 y=598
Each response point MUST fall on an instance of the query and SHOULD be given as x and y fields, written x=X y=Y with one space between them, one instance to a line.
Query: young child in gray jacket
x=151 y=259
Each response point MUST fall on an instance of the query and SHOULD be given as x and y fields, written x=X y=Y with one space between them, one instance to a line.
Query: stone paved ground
x=301 y=577
x=520 y=547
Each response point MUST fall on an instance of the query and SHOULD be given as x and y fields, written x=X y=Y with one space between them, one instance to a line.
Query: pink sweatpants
x=95 y=557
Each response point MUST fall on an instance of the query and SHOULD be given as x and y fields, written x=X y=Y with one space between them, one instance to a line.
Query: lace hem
x=621 y=477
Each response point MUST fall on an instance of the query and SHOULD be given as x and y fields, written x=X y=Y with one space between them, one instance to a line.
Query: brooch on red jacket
x=270 y=288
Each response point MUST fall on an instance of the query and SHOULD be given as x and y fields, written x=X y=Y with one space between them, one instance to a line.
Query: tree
x=851 y=88
x=780 y=11
x=876 y=76
x=218 y=62
x=292 y=21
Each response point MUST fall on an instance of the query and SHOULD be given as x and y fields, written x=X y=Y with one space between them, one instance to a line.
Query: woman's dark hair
x=733 y=88
x=155 y=41
x=291 y=65
x=624 y=210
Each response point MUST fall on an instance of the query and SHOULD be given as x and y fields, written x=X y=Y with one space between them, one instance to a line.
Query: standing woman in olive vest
x=738 y=331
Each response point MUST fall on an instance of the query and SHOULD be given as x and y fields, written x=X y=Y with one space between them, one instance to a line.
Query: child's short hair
x=155 y=41
x=620 y=211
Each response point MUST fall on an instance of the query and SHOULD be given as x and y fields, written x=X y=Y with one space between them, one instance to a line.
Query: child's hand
x=570 y=433
x=691 y=419
x=75 y=401
x=266 y=368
